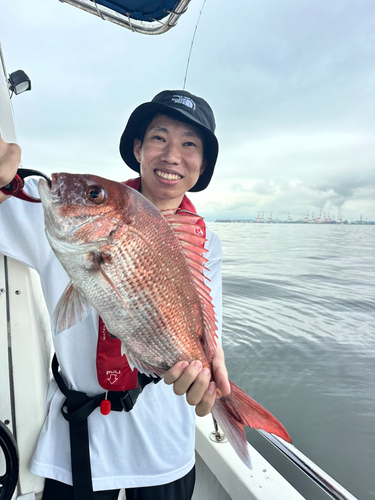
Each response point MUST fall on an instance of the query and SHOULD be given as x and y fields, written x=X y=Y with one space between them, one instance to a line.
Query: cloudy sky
x=292 y=85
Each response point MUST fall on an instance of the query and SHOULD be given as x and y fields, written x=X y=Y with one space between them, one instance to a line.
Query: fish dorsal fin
x=192 y=239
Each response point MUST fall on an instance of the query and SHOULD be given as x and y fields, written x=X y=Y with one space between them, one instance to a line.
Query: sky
x=292 y=86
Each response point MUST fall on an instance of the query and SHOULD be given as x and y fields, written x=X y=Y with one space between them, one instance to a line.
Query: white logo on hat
x=182 y=99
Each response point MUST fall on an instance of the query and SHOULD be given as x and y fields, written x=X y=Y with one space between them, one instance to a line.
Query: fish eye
x=96 y=194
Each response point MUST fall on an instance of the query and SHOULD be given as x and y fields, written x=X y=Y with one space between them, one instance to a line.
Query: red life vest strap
x=113 y=370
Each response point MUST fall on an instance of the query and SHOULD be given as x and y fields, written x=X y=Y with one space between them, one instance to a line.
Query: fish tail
x=237 y=409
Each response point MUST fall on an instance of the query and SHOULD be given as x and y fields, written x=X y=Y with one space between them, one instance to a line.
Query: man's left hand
x=195 y=381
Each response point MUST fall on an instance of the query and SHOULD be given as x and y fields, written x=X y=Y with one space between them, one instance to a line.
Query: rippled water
x=299 y=336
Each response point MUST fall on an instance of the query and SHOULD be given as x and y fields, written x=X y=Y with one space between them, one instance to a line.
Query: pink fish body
x=143 y=273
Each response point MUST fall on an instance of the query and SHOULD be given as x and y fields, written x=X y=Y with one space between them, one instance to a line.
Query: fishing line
x=192 y=43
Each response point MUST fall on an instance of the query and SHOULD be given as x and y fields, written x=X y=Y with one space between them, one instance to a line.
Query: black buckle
x=126 y=400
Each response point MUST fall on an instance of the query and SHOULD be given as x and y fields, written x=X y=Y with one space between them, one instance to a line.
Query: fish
x=143 y=272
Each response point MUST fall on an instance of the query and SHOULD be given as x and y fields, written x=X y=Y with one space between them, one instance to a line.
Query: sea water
x=299 y=337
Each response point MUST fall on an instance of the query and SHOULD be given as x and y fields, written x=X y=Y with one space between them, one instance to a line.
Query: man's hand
x=10 y=158
x=195 y=381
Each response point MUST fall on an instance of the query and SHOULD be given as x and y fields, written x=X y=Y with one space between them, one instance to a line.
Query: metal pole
x=154 y=27
x=7 y=131
x=317 y=475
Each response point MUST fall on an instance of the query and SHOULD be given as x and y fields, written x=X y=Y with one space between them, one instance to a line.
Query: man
x=149 y=451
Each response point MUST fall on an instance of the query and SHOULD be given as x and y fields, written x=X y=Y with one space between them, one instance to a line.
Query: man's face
x=171 y=159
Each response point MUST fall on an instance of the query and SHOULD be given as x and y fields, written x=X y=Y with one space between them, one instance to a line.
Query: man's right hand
x=10 y=159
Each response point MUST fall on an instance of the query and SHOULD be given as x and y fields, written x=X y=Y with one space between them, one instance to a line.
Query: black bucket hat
x=178 y=104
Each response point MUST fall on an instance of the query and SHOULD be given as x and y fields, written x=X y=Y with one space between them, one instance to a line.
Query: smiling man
x=149 y=450
x=171 y=160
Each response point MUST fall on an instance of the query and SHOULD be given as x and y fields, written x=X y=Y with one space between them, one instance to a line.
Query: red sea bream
x=143 y=272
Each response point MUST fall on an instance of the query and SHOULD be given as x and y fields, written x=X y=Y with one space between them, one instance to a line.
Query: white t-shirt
x=151 y=445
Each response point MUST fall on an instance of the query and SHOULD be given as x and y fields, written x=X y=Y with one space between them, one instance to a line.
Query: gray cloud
x=292 y=85
x=344 y=188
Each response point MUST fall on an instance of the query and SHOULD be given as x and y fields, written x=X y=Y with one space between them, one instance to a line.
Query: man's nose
x=171 y=153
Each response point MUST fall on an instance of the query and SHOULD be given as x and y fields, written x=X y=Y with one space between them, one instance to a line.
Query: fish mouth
x=48 y=190
x=168 y=176
x=44 y=189
x=51 y=195
x=48 y=199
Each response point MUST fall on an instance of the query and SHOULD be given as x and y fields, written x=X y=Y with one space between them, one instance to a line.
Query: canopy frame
x=154 y=27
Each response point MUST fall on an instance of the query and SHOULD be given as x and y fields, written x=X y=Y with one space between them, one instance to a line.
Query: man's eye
x=158 y=138
x=190 y=143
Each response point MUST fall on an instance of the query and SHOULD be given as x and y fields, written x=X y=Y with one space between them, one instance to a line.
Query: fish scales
x=144 y=276
x=163 y=319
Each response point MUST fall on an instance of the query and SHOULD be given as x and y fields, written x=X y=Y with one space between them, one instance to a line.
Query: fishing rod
x=192 y=43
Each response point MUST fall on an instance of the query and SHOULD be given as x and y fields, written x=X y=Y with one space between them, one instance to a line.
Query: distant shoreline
x=249 y=221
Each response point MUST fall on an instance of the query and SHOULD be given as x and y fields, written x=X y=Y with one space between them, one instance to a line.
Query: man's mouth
x=168 y=176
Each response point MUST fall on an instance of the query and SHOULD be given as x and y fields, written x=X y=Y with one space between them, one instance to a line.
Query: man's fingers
x=222 y=381
x=3 y=197
x=190 y=374
x=10 y=157
x=196 y=382
x=204 y=406
x=175 y=372
x=198 y=388
x=220 y=373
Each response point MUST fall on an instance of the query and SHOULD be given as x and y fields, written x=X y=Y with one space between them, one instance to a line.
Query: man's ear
x=137 y=149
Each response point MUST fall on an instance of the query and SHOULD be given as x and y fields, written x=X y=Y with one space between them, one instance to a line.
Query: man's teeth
x=168 y=177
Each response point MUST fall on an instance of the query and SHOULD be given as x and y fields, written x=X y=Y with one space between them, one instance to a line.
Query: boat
x=221 y=475
x=25 y=341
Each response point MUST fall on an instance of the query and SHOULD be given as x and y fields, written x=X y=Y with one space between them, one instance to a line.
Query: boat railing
x=315 y=473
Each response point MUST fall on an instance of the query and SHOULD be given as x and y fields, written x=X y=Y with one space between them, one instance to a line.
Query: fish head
x=84 y=210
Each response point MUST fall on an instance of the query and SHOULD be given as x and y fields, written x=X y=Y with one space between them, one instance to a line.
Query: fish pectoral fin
x=143 y=366
x=123 y=351
x=70 y=310
x=103 y=279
